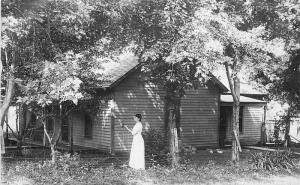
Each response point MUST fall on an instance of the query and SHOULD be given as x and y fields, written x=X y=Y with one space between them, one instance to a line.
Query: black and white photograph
x=150 y=92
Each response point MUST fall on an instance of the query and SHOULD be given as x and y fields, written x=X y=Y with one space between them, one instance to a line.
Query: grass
x=202 y=168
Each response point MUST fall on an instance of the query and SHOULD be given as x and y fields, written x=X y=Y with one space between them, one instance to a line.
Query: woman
x=137 y=153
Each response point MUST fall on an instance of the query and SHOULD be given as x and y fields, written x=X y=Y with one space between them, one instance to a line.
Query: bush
x=156 y=147
x=68 y=170
x=273 y=160
x=67 y=162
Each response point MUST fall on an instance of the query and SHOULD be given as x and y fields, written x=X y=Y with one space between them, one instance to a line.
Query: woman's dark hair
x=139 y=116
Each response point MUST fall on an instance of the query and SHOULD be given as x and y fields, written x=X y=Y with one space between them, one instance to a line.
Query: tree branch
x=235 y=98
x=46 y=132
x=8 y=95
x=12 y=131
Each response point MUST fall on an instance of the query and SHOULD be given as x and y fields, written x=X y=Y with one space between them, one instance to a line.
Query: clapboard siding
x=253 y=117
x=252 y=121
x=101 y=135
x=132 y=97
x=200 y=116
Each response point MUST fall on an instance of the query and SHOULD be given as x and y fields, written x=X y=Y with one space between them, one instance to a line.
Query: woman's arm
x=125 y=126
x=128 y=129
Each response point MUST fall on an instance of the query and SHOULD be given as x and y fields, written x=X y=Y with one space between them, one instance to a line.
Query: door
x=223 y=126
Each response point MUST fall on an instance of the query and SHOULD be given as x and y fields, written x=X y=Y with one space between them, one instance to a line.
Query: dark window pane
x=241 y=119
x=50 y=124
x=88 y=126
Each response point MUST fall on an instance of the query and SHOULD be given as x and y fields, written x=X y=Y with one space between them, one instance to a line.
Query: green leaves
x=57 y=82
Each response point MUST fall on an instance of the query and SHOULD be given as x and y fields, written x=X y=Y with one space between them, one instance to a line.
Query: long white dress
x=137 y=153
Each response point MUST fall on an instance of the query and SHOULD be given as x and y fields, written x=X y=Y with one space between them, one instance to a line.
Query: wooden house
x=126 y=94
x=252 y=116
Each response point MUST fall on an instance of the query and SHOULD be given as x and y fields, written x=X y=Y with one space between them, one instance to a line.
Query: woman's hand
x=128 y=129
x=125 y=126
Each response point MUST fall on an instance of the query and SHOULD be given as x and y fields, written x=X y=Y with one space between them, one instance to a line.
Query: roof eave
x=119 y=80
x=260 y=94
x=219 y=83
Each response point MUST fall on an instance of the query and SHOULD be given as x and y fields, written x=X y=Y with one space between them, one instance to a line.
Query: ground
x=273 y=180
x=204 y=167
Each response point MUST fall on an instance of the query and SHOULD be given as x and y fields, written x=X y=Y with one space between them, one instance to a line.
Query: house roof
x=246 y=88
x=243 y=99
x=115 y=71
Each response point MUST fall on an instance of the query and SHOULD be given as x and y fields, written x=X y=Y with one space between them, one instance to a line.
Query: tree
x=44 y=47
x=282 y=76
x=283 y=85
x=182 y=41
x=148 y=29
x=213 y=37
x=179 y=41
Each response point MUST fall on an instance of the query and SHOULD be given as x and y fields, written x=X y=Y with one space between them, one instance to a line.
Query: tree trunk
x=287 y=138
x=71 y=147
x=173 y=139
x=53 y=153
x=4 y=108
x=235 y=133
x=171 y=125
x=19 y=144
x=235 y=92
x=51 y=143
x=2 y=150
x=7 y=99
x=264 y=128
x=235 y=121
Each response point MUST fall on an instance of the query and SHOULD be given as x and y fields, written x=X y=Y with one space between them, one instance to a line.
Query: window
x=50 y=124
x=33 y=120
x=88 y=126
x=241 y=119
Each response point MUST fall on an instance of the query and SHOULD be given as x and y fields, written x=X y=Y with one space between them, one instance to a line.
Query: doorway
x=225 y=114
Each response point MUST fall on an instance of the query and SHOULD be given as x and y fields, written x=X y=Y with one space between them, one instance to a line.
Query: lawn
x=204 y=167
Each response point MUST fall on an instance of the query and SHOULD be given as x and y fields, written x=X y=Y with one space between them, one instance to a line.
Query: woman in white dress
x=137 y=153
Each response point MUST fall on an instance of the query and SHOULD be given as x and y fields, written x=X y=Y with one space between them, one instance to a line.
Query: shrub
x=273 y=160
x=68 y=170
x=67 y=162
x=156 y=147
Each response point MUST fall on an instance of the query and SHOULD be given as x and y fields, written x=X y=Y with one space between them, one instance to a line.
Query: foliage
x=215 y=38
x=283 y=82
x=281 y=77
x=277 y=129
x=273 y=161
x=281 y=125
x=92 y=171
x=43 y=173
x=58 y=46
x=67 y=162
x=156 y=147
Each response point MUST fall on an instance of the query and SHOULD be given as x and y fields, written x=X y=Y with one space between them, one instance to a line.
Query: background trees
x=281 y=77
x=53 y=49
x=216 y=35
